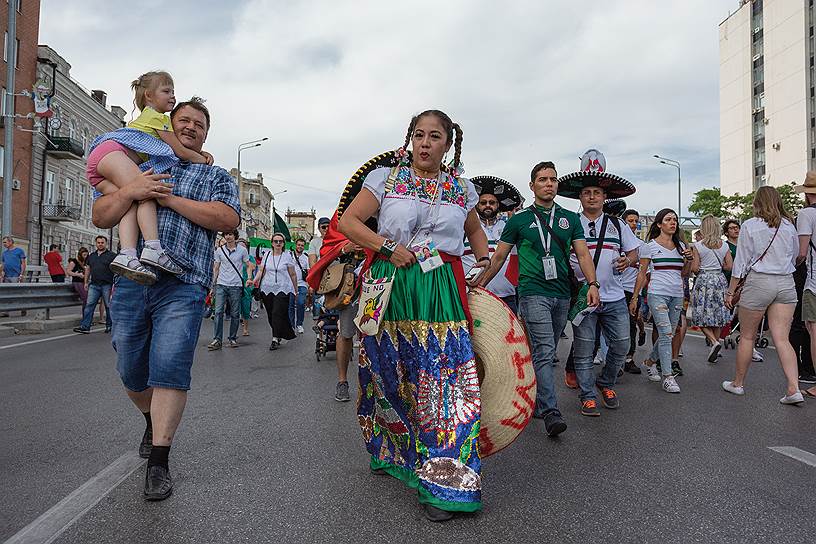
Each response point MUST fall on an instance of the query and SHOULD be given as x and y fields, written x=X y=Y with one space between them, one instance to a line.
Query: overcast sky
x=333 y=83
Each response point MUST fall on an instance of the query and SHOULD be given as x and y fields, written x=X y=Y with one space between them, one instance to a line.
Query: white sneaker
x=652 y=372
x=714 y=352
x=161 y=260
x=132 y=269
x=731 y=388
x=300 y=329
x=796 y=398
x=670 y=385
x=757 y=357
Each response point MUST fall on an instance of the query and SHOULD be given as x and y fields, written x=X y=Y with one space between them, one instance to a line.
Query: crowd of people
x=413 y=234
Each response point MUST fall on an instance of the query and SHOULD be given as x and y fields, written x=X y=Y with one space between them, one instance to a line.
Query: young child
x=112 y=165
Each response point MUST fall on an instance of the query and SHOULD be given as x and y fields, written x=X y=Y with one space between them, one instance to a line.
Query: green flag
x=280 y=226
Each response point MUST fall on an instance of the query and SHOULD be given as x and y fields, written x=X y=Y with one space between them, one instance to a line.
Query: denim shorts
x=155 y=331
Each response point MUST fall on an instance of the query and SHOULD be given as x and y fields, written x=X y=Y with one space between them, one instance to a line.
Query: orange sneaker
x=590 y=408
x=609 y=398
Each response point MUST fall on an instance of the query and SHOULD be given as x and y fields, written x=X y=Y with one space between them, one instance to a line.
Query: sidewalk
x=34 y=321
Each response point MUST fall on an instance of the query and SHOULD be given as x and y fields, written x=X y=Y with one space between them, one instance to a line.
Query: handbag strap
x=230 y=260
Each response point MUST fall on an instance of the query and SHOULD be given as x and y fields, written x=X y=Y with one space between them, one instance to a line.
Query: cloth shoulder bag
x=256 y=291
x=337 y=285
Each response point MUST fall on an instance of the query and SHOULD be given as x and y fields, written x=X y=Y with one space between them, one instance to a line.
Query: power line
x=303 y=186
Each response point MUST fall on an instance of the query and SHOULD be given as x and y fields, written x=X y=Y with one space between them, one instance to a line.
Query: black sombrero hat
x=389 y=159
x=508 y=196
x=614 y=206
x=593 y=174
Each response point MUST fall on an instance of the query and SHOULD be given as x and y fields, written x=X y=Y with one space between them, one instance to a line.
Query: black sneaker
x=554 y=424
x=147 y=443
x=631 y=367
x=341 y=393
x=807 y=378
x=158 y=484
x=676 y=370
x=274 y=345
x=609 y=398
x=82 y=330
x=589 y=407
x=432 y=513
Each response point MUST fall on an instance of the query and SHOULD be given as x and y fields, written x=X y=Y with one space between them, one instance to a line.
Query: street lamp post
x=676 y=164
x=247 y=145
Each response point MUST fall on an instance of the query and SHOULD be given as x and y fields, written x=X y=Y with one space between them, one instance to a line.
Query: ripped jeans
x=665 y=313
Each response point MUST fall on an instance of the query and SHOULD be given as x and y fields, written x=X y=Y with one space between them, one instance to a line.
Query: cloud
x=335 y=83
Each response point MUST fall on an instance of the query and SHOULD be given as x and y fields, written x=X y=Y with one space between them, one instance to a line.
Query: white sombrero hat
x=506 y=373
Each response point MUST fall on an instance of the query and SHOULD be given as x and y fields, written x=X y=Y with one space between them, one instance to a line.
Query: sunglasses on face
x=277 y=241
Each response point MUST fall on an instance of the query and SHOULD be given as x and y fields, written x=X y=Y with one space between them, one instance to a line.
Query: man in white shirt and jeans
x=297 y=303
x=229 y=285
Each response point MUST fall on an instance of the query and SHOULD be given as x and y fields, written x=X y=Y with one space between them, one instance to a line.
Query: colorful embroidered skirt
x=419 y=406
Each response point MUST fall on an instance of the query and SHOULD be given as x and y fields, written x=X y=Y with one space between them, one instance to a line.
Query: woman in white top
x=276 y=279
x=711 y=257
x=670 y=260
x=766 y=258
x=419 y=407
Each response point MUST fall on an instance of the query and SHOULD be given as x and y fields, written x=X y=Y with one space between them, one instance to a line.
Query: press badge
x=550 y=272
x=427 y=255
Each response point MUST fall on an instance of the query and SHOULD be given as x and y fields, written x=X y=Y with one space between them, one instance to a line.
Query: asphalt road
x=265 y=454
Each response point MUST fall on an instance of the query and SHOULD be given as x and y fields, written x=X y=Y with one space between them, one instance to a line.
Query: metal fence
x=36 y=296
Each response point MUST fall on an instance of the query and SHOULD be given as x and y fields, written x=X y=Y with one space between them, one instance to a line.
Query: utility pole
x=8 y=159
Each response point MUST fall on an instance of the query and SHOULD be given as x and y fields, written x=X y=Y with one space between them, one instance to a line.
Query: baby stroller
x=326 y=328
x=731 y=334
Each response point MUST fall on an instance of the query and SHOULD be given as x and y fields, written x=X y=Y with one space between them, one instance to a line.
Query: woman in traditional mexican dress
x=419 y=405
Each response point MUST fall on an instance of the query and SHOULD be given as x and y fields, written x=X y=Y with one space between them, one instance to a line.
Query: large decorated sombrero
x=507 y=376
x=593 y=174
x=508 y=196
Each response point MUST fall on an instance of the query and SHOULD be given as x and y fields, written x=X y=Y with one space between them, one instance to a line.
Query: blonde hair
x=148 y=82
x=710 y=232
x=768 y=206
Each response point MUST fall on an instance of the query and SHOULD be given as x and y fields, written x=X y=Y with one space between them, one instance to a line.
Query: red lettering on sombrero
x=520 y=419
x=513 y=337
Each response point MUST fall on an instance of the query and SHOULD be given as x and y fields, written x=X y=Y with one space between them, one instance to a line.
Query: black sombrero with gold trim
x=614 y=206
x=593 y=174
x=508 y=196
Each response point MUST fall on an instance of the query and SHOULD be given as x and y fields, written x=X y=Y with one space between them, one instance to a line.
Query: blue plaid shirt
x=191 y=245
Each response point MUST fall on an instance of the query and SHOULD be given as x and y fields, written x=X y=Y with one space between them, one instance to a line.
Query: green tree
x=711 y=201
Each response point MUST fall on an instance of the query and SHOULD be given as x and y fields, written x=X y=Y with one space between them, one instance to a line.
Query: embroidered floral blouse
x=398 y=214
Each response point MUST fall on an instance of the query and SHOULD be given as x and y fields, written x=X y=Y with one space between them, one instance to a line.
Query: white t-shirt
x=404 y=205
x=711 y=259
x=667 y=268
x=611 y=285
x=304 y=264
x=227 y=275
x=499 y=285
x=276 y=276
x=806 y=226
x=629 y=276
x=314 y=246
x=755 y=237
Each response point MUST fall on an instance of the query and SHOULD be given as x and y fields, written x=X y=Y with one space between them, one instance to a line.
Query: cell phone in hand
x=473 y=273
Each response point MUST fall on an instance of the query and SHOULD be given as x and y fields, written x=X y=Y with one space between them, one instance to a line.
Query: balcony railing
x=63 y=147
x=60 y=212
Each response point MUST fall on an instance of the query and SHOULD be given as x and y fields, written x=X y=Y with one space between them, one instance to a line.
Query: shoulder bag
x=232 y=264
x=256 y=292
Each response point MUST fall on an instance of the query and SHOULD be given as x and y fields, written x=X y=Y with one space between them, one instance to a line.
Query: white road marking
x=47 y=339
x=795 y=453
x=50 y=525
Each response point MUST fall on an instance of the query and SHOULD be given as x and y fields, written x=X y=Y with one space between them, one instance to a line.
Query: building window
x=69 y=191
x=72 y=129
x=85 y=142
x=2 y=159
x=82 y=200
x=49 y=187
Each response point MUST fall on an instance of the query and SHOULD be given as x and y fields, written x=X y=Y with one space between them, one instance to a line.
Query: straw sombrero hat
x=508 y=196
x=593 y=174
x=506 y=372
x=809 y=186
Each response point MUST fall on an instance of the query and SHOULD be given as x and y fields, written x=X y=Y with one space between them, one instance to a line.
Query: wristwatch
x=387 y=248
x=595 y=283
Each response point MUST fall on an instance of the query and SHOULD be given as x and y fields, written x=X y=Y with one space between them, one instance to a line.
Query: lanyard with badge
x=547 y=261
x=425 y=250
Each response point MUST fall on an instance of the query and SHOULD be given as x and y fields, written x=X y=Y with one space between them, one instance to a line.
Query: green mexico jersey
x=522 y=231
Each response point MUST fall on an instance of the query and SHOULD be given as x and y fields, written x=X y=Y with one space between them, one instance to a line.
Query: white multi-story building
x=767 y=103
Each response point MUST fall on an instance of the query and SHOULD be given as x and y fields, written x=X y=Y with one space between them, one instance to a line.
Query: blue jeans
x=155 y=331
x=611 y=319
x=222 y=293
x=95 y=292
x=545 y=318
x=297 y=307
x=666 y=312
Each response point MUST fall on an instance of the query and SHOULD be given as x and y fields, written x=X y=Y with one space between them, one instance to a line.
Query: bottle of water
x=615 y=271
